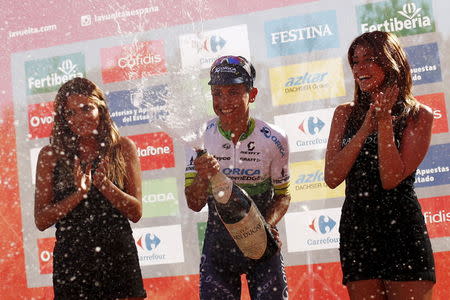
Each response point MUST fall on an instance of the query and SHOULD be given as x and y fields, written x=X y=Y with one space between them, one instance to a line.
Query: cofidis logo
x=303 y=33
x=155 y=150
x=306 y=130
x=200 y=50
x=401 y=17
x=313 y=230
x=40 y=120
x=45 y=255
x=308 y=182
x=307 y=81
x=159 y=245
x=134 y=107
x=47 y=75
x=436 y=212
x=435 y=168
x=160 y=197
x=437 y=103
x=424 y=62
x=139 y=60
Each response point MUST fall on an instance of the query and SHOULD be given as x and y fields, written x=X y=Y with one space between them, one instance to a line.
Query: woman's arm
x=47 y=213
x=397 y=164
x=129 y=201
x=338 y=160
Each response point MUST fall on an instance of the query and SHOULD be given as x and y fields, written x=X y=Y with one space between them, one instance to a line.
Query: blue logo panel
x=424 y=63
x=134 y=107
x=435 y=168
x=299 y=34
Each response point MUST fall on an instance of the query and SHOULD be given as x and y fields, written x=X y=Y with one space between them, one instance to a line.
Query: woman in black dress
x=88 y=184
x=375 y=145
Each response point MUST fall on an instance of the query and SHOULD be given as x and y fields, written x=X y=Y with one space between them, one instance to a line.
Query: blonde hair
x=66 y=143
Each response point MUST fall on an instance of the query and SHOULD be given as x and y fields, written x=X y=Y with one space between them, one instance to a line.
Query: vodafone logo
x=40 y=120
x=45 y=253
x=129 y=62
x=155 y=150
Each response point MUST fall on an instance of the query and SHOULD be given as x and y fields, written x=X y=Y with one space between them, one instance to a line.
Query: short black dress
x=95 y=256
x=382 y=232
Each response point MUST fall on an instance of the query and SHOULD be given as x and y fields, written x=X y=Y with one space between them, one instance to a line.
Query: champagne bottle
x=242 y=218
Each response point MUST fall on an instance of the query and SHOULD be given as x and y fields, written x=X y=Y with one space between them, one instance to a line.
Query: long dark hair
x=66 y=143
x=391 y=57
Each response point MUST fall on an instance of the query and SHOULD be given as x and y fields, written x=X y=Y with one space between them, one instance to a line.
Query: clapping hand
x=385 y=100
x=82 y=177
x=100 y=174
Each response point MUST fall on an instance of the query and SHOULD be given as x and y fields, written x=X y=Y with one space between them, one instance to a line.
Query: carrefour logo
x=313 y=229
x=47 y=75
x=402 y=17
x=304 y=33
x=311 y=125
x=148 y=242
x=211 y=44
x=200 y=50
x=322 y=224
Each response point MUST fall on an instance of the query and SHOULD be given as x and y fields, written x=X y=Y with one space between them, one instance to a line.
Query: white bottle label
x=221 y=188
x=250 y=234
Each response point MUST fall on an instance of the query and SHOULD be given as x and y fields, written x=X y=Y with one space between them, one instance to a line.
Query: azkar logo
x=305 y=81
x=148 y=242
x=268 y=134
x=211 y=44
x=316 y=176
x=323 y=224
x=311 y=126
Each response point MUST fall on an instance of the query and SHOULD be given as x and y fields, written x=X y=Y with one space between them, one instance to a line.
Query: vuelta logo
x=311 y=126
x=148 y=242
x=211 y=44
x=405 y=20
x=40 y=120
x=268 y=134
x=323 y=224
x=134 y=61
x=47 y=75
x=155 y=150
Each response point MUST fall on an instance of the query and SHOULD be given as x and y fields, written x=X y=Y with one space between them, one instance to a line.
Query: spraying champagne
x=242 y=218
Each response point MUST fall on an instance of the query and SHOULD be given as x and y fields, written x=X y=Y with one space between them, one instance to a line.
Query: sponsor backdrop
x=152 y=59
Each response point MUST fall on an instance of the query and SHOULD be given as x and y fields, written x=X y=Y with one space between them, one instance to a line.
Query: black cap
x=232 y=70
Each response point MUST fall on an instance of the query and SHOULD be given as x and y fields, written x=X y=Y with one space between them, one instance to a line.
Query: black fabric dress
x=95 y=256
x=382 y=232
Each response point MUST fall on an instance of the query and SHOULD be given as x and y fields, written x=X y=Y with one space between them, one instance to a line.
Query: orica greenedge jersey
x=258 y=163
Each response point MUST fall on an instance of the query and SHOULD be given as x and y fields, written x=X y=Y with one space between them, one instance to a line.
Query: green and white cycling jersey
x=259 y=162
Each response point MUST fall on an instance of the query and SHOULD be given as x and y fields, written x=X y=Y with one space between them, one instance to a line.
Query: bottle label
x=222 y=191
x=250 y=234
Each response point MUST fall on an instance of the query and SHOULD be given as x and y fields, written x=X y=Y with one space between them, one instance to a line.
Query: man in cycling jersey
x=255 y=155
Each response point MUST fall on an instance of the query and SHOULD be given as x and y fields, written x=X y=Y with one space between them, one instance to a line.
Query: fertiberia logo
x=401 y=17
x=47 y=75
